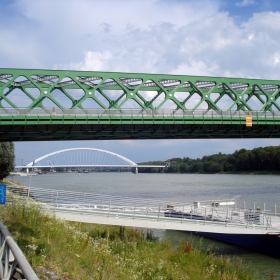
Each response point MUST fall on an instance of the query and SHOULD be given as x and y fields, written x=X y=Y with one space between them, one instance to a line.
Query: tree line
x=257 y=160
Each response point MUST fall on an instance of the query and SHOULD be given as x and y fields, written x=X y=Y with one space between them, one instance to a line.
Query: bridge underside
x=89 y=128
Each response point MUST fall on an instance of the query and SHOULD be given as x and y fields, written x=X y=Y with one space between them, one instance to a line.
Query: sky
x=232 y=38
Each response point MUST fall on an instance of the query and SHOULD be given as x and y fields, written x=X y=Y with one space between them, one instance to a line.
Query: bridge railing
x=19 y=112
x=13 y=264
x=221 y=211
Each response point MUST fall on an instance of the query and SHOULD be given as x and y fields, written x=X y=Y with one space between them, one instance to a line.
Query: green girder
x=143 y=125
x=114 y=90
x=61 y=104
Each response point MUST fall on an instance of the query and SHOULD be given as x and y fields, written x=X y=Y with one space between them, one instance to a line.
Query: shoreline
x=47 y=241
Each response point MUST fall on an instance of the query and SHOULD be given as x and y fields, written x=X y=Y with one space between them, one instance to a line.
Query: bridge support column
x=135 y=170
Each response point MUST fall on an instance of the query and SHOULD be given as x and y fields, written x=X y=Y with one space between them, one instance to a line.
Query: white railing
x=221 y=211
x=19 y=112
x=13 y=264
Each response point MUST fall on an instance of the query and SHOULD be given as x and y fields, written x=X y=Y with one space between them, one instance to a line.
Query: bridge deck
x=77 y=124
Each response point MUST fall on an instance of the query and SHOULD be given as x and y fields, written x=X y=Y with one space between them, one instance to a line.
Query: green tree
x=184 y=168
x=173 y=168
x=196 y=167
x=6 y=159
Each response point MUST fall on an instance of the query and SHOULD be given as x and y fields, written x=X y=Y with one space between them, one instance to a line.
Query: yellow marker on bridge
x=249 y=121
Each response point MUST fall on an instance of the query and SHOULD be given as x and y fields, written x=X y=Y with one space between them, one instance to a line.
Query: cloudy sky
x=234 y=38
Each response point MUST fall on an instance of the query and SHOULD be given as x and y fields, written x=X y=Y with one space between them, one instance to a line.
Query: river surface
x=263 y=190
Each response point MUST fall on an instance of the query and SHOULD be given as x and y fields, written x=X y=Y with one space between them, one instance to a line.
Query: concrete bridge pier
x=135 y=170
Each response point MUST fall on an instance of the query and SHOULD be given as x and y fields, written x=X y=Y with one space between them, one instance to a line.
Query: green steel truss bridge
x=75 y=105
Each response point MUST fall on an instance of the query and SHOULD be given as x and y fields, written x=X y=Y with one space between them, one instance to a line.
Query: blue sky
x=243 y=10
x=234 y=38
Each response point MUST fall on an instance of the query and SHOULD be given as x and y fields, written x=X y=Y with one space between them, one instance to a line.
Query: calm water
x=182 y=188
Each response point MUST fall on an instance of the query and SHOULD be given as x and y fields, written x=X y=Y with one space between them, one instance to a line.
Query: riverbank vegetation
x=257 y=161
x=6 y=159
x=90 y=251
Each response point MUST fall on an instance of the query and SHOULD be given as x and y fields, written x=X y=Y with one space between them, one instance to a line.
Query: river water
x=258 y=190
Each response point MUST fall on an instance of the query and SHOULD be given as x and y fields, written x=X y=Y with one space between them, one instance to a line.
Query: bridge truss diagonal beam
x=75 y=105
x=84 y=89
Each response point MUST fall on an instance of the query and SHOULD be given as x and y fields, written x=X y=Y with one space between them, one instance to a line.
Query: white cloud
x=93 y=61
x=196 y=68
x=246 y=3
x=119 y=15
x=276 y=57
x=213 y=46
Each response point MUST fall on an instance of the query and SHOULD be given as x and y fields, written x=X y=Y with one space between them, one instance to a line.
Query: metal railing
x=13 y=264
x=19 y=112
x=220 y=211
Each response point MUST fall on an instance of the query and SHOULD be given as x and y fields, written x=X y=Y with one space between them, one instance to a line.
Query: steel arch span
x=82 y=157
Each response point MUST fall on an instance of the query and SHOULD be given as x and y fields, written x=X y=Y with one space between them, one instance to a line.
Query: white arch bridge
x=84 y=158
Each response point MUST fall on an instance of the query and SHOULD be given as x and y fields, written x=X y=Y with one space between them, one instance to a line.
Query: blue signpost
x=2 y=194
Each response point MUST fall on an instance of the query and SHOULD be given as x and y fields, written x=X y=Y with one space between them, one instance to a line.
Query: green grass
x=91 y=251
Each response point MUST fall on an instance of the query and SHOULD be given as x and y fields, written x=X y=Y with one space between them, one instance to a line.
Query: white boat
x=32 y=173
x=18 y=174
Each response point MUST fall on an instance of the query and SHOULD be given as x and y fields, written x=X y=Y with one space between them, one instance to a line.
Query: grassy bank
x=90 y=251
